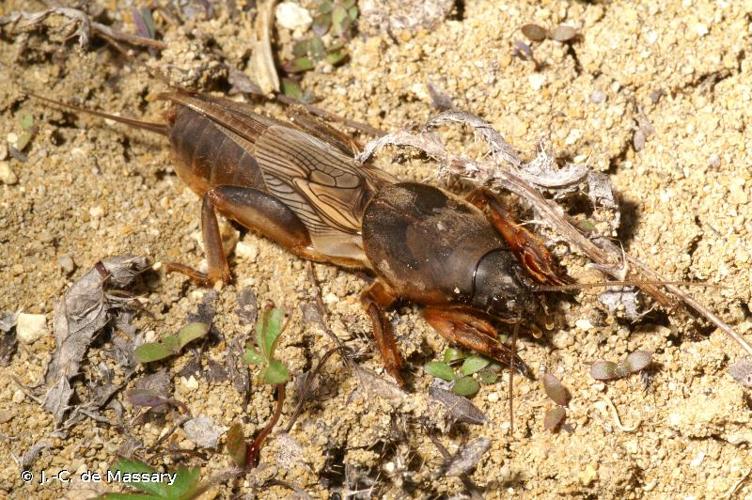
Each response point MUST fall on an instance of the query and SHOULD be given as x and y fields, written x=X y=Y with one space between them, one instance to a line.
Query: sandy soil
x=88 y=190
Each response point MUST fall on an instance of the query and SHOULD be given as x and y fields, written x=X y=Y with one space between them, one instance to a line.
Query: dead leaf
x=85 y=309
x=8 y=341
x=460 y=409
x=153 y=391
x=467 y=457
x=742 y=371
x=247 y=309
x=439 y=99
x=378 y=386
x=28 y=458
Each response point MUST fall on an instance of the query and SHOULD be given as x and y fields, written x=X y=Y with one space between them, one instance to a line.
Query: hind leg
x=257 y=211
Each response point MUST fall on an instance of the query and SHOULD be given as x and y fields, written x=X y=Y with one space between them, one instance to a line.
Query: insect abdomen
x=208 y=156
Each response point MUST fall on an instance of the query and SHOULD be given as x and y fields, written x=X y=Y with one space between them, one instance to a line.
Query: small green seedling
x=268 y=329
x=333 y=26
x=172 y=344
x=180 y=485
x=464 y=383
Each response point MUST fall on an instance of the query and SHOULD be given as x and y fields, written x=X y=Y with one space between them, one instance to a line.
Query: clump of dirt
x=653 y=94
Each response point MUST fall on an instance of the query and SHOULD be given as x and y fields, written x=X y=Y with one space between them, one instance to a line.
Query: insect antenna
x=158 y=128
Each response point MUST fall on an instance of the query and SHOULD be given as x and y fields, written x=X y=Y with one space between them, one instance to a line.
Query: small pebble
x=18 y=396
x=30 y=327
x=246 y=251
x=534 y=32
x=292 y=16
x=45 y=236
x=66 y=264
x=537 y=80
x=598 y=96
x=583 y=324
x=190 y=383
x=330 y=298
x=7 y=176
x=96 y=212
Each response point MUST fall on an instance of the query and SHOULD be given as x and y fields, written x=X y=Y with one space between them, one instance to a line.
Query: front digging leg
x=375 y=300
x=531 y=253
x=474 y=333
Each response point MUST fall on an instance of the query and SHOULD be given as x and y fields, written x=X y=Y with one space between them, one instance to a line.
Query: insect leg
x=529 y=249
x=375 y=299
x=255 y=210
x=474 y=333
x=215 y=255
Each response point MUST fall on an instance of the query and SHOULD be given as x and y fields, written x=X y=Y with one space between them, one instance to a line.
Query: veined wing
x=325 y=188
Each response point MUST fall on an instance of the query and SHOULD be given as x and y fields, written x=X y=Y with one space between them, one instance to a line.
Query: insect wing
x=324 y=187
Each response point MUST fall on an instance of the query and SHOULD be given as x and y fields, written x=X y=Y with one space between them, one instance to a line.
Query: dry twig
x=85 y=29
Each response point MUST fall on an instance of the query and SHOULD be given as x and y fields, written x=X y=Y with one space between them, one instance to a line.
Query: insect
x=296 y=183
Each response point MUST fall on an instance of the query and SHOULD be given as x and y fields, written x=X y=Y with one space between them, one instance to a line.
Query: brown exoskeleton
x=297 y=184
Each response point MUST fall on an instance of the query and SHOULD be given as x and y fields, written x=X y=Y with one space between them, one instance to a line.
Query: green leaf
x=340 y=20
x=474 y=364
x=191 y=332
x=136 y=467
x=127 y=496
x=151 y=351
x=325 y=7
x=317 y=49
x=451 y=355
x=335 y=57
x=236 y=445
x=268 y=330
x=27 y=121
x=353 y=13
x=466 y=386
x=185 y=484
x=252 y=357
x=488 y=376
x=148 y=21
x=172 y=344
x=322 y=23
x=439 y=370
x=299 y=65
x=301 y=48
x=275 y=373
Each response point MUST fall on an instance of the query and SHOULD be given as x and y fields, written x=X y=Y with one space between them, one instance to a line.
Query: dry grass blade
x=262 y=60
x=608 y=256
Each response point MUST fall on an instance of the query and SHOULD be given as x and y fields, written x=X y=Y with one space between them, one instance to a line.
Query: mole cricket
x=465 y=260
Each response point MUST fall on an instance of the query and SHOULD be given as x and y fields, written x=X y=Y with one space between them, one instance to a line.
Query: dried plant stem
x=609 y=254
x=306 y=390
x=85 y=28
x=253 y=449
